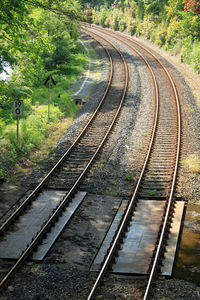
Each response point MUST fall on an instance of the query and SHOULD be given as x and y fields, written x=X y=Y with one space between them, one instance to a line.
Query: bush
x=108 y=22
x=173 y=33
x=148 y=27
x=115 y=22
x=131 y=26
x=103 y=15
x=159 y=36
x=190 y=25
x=87 y=15
x=95 y=17
x=2 y=124
x=187 y=49
x=196 y=56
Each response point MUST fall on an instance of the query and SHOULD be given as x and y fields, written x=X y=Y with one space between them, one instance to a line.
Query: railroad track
x=158 y=175
x=72 y=167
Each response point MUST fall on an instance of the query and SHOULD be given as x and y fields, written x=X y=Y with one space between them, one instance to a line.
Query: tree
x=192 y=5
x=21 y=32
x=154 y=7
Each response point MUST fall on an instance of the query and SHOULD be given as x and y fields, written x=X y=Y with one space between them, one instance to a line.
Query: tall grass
x=34 y=126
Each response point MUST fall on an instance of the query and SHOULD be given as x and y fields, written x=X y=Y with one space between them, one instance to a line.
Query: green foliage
x=152 y=193
x=33 y=125
x=104 y=14
x=191 y=52
x=187 y=48
x=154 y=7
x=159 y=35
x=196 y=56
x=164 y=22
x=38 y=38
x=28 y=34
x=190 y=25
x=112 y=182
x=131 y=26
x=129 y=178
x=173 y=32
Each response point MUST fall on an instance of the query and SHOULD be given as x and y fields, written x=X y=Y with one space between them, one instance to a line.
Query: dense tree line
x=172 y=24
x=27 y=26
x=37 y=37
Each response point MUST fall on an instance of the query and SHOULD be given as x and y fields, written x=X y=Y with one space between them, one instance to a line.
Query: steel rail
x=158 y=251
x=132 y=201
x=42 y=184
x=58 y=210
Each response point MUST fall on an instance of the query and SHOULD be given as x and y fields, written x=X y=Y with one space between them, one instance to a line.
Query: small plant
x=129 y=178
x=139 y=148
x=192 y=163
x=111 y=192
x=152 y=193
x=1 y=173
x=144 y=134
x=34 y=268
x=99 y=165
x=187 y=108
x=113 y=182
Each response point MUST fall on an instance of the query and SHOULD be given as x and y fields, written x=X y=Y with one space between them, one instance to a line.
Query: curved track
x=158 y=175
x=79 y=157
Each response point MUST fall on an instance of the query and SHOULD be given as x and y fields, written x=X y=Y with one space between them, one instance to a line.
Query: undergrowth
x=34 y=126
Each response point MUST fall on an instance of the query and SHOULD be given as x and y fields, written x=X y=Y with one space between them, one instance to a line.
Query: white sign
x=18 y=108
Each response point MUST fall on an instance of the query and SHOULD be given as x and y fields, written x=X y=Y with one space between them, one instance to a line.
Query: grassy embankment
x=37 y=136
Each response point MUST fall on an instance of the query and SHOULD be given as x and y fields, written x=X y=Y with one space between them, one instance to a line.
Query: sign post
x=50 y=80
x=17 y=112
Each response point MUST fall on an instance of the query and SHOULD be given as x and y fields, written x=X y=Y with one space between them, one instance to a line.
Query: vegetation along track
x=73 y=165
x=158 y=175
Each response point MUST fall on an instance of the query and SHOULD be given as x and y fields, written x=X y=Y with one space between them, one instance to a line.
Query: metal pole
x=49 y=98
x=17 y=130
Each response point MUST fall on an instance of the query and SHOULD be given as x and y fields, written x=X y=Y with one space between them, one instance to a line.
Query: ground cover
x=34 y=125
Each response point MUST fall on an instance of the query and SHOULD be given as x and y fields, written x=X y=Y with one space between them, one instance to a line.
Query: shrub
x=115 y=22
x=131 y=26
x=95 y=17
x=187 y=49
x=148 y=27
x=196 y=56
x=108 y=22
x=2 y=124
x=159 y=35
x=173 y=33
x=87 y=17
x=103 y=15
x=190 y=25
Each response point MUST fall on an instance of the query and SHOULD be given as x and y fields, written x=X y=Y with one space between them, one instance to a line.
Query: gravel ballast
x=65 y=271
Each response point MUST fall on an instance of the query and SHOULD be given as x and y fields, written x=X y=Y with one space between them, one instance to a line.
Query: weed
x=144 y=134
x=152 y=192
x=111 y=192
x=99 y=165
x=113 y=182
x=34 y=129
x=192 y=163
x=188 y=108
x=34 y=268
x=129 y=178
x=97 y=192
